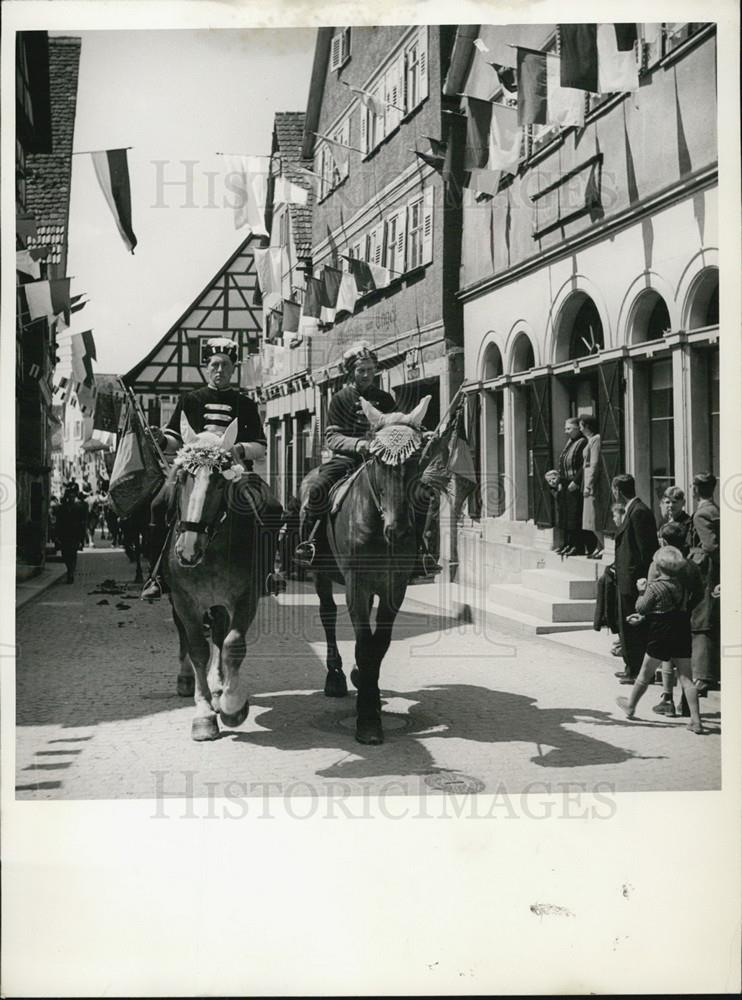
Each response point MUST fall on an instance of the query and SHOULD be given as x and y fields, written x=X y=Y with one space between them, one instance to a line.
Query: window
x=78 y=429
x=332 y=163
x=398 y=88
x=713 y=395
x=395 y=243
x=661 y=441
x=420 y=231
x=340 y=49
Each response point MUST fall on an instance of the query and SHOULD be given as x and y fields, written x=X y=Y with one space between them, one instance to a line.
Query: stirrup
x=305 y=553
x=155 y=588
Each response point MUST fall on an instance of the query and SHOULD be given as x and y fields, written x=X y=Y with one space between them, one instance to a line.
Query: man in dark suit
x=636 y=543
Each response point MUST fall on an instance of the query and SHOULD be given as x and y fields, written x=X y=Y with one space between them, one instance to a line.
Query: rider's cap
x=360 y=351
x=220 y=345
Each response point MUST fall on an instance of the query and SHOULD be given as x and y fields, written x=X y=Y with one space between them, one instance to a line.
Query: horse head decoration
x=213 y=568
x=372 y=550
x=203 y=468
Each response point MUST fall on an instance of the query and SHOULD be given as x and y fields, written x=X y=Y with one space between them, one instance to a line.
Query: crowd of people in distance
x=75 y=517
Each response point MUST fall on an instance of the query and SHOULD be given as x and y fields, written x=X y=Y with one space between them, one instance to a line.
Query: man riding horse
x=347 y=437
x=212 y=407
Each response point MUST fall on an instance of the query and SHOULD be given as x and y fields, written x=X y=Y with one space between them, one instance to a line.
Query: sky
x=172 y=96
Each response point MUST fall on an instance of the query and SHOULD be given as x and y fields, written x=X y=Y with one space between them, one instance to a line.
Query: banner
x=136 y=475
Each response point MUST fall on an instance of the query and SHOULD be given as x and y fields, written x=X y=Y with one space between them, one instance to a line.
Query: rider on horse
x=347 y=437
x=211 y=408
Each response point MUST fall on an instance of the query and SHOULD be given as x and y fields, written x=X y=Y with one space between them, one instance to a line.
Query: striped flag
x=347 y=294
x=331 y=278
x=112 y=171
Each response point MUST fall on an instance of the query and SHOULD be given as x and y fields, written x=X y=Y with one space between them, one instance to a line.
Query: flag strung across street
x=112 y=170
x=288 y=193
x=247 y=182
x=599 y=58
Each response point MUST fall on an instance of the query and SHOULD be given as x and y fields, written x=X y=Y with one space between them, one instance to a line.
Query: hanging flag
x=269 y=267
x=60 y=294
x=291 y=316
x=334 y=252
x=247 y=180
x=104 y=416
x=507 y=76
x=25 y=264
x=274 y=326
x=331 y=278
x=362 y=274
x=626 y=36
x=288 y=193
x=77 y=347
x=531 y=87
x=339 y=155
x=77 y=303
x=506 y=139
x=375 y=105
x=463 y=476
x=39 y=299
x=112 y=171
x=565 y=106
x=314 y=179
x=313 y=294
x=436 y=162
x=137 y=474
x=347 y=294
x=478 y=125
x=484 y=180
x=480 y=45
x=87 y=339
x=25 y=224
x=618 y=70
x=579 y=56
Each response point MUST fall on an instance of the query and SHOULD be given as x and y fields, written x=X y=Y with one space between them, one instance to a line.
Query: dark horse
x=134 y=534
x=371 y=548
x=212 y=565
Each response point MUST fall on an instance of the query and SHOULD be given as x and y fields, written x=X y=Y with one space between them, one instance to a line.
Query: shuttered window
x=340 y=48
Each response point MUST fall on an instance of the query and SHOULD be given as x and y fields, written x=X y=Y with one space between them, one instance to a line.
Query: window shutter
x=336 y=51
x=395 y=87
x=401 y=252
x=423 y=64
x=376 y=245
x=428 y=227
x=364 y=127
x=345 y=54
x=346 y=139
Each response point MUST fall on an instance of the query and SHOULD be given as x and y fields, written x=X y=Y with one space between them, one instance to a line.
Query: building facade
x=589 y=285
x=46 y=95
x=375 y=97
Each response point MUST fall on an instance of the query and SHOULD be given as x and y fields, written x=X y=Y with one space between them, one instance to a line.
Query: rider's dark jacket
x=209 y=409
x=347 y=423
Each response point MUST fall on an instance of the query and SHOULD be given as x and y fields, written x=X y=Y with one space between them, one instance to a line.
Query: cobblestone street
x=98 y=716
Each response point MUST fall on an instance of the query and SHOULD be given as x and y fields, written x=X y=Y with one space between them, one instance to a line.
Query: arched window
x=649 y=319
x=703 y=300
x=579 y=328
x=492 y=363
x=523 y=357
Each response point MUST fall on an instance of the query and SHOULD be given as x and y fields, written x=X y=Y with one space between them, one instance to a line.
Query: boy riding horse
x=347 y=437
x=212 y=408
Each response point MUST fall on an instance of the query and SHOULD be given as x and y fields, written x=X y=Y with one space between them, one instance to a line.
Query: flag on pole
x=274 y=326
x=493 y=144
x=25 y=264
x=339 y=155
x=531 y=87
x=481 y=46
x=506 y=138
x=375 y=105
x=579 y=56
x=60 y=295
x=137 y=473
x=478 y=124
x=565 y=106
x=288 y=193
x=39 y=299
x=269 y=267
x=347 y=294
x=291 y=316
x=247 y=180
x=112 y=170
x=618 y=70
x=331 y=279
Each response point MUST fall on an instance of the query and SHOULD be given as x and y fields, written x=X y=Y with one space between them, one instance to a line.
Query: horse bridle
x=371 y=485
x=200 y=527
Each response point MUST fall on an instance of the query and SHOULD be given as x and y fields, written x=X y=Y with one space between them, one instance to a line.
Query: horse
x=369 y=546
x=112 y=524
x=213 y=564
x=134 y=533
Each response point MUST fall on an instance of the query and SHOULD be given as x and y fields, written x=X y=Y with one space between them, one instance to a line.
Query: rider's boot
x=425 y=565
x=306 y=550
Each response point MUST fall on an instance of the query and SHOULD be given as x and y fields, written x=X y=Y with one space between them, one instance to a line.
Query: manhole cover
x=454 y=783
x=331 y=723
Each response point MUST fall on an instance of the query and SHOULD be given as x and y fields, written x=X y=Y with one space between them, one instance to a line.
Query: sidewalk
x=52 y=573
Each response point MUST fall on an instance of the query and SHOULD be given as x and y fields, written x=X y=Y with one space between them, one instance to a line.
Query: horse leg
x=204 y=725
x=335 y=684
x=233 y=703
x=354 y=672
x=368 y=705
x=186 y=683
x=390 y=602
x=217 y=627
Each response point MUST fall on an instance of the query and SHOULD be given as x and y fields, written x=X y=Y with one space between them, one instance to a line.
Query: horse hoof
x=335 y=684
x=235 y=719
x=355 y=677
x=369 y=732
x=186 y=686
x=203 y=729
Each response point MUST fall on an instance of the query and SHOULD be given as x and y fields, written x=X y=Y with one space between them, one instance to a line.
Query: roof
x=289 y=137
x=48 y=186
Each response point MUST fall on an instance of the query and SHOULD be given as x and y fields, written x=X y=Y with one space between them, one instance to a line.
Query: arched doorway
x=702 y=313
x=493 y=436
x=649 y=318
x=589 y=387
x=702 y=305
x=525 y=431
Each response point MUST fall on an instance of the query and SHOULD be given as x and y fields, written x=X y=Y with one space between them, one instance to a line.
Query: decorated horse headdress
x=208 y=450
x=397 y=436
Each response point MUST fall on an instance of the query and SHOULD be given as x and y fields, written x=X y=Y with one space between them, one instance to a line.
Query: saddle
x=339 y=491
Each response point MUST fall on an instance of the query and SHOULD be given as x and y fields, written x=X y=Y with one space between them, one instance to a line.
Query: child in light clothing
x=664 y=603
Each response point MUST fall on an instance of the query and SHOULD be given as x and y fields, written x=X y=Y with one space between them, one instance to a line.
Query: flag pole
x=437 y=433
x=89 y=152
x=134 y=403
